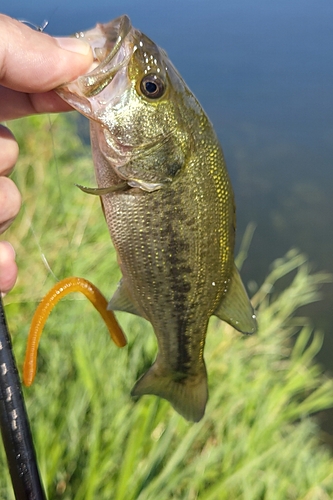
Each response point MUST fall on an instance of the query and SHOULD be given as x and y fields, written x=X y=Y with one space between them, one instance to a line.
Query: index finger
x=33 y=62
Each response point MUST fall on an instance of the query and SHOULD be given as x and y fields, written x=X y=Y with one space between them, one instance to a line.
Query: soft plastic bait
x=60 y=290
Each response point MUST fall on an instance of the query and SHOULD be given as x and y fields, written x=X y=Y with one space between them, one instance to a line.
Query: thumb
x=31 y=61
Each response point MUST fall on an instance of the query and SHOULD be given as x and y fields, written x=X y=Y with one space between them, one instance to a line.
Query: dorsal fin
x=235 y=307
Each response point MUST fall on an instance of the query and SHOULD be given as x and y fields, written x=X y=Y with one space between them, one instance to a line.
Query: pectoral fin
x=235 y=307
x=121 y=300
x=122 y=186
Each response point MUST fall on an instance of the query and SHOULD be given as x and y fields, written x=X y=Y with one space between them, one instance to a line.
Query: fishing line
x=69 y=249
x=42 y=254
x=54 y=167
x=69 y=255
x=41 y=28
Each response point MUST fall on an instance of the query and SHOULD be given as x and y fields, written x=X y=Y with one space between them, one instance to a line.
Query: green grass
x=257 y=440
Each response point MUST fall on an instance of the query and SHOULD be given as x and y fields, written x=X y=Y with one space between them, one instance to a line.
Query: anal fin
x=121 y=300
x=235 y=307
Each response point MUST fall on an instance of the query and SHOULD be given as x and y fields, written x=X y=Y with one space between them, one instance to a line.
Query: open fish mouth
x=106 y=42
x=111 y=56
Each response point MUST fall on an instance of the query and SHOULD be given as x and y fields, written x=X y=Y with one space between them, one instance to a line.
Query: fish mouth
x=111 y=55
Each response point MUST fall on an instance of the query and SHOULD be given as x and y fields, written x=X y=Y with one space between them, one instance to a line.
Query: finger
x=17 y=104
x=10 y=202
x=8 y=267
x=9 y=151
x=32 y=62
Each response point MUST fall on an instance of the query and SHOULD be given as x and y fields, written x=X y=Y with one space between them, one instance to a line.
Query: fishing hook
x=37 y=27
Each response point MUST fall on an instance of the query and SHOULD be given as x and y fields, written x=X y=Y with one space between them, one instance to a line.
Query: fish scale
x=169 y=207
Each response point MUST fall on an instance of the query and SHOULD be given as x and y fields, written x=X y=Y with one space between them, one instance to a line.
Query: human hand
x=31 y=65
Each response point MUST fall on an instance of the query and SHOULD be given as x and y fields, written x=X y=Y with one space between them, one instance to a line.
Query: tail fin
x=187 y=395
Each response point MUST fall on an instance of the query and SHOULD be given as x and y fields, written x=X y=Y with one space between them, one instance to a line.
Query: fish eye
x=152 y=86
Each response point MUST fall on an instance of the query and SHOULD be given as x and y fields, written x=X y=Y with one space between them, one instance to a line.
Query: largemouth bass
x=168 y=204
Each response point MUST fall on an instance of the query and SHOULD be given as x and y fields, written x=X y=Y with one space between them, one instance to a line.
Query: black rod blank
x=14 y=424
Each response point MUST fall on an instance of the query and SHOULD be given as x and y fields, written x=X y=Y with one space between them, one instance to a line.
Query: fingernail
x=73 y=45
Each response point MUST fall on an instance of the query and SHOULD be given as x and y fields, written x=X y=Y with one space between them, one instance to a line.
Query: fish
x=168 y=203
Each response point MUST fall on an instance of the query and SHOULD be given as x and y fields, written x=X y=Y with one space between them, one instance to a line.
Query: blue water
x=263 y=72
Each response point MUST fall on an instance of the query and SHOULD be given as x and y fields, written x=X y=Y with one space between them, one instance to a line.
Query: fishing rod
x=14 y=424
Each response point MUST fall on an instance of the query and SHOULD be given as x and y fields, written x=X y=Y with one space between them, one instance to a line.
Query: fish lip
x=113 y=35
x=110 y=56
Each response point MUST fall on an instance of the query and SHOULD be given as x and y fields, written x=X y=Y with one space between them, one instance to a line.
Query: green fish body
x=168 y=203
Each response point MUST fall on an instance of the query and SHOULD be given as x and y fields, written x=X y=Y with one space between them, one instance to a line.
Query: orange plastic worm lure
x=60 y=290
